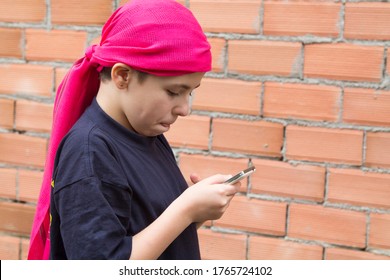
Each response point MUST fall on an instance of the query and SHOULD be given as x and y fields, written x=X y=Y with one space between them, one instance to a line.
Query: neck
x=108 y=100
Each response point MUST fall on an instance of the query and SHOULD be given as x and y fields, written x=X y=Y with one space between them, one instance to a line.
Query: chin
x=155 y=131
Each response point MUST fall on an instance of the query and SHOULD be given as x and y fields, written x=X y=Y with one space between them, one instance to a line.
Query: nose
x=182 y=108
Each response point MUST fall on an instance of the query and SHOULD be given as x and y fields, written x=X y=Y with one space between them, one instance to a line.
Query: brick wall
x=301 y=89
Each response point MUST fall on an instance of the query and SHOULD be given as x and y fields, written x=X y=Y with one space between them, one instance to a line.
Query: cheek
x=149 y=106
x=159 y=111
x=159 y=106
x=150 y=113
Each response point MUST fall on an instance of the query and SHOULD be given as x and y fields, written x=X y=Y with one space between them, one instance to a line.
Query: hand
x=208 y=199
x=195 y=178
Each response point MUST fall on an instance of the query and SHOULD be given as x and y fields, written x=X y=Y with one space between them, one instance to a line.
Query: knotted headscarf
x=159 y=37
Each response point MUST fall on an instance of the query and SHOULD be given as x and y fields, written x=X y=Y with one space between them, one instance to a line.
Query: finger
x=230 y=190
x=195 y=178
x=237 y=186
x=216 y=179
x=226 y=206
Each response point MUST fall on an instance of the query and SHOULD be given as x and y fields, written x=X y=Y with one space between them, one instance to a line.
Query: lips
x=167 y=125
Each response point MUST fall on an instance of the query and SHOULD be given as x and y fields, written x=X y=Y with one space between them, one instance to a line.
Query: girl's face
x=150 y=107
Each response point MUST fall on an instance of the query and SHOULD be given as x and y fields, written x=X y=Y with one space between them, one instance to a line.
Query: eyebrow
x=184 y=86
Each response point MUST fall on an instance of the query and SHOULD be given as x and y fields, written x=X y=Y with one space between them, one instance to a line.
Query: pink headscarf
x=159 y=37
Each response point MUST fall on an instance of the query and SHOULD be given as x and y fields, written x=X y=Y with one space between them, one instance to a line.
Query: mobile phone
x=241 y=175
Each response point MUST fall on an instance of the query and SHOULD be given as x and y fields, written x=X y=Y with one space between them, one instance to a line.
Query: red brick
x=29 y=185
x=122 y=2
x=207 y=223
x=370 y=21
x=293 y=181
x=388 y=64
x=190 y=132
x=324 y=144
x=301 y=18
x=254 y=216
x=264 y=248
x=11 y=42
x=33 y=116
x=205 y=166
x=16 y=218
x=55 y=45
x=218 y=52
x=9 y=247
x=7 y=109
x=264 y=57
x=379 y=236
x=227 y=16
x=86 y=12
x=377 y=147
x=359 y=105
x=25 y=246
x=346 y=254
x=22 y=11
x=251 y=137
x=213 y=246
x=336 y=226
x=60 y=74
x=8 y=183
x=343 y=62
x=359 y=188
x=95 y=41
x=22 y=150
x=228 y=96
x=298 y=101
x=26 y=79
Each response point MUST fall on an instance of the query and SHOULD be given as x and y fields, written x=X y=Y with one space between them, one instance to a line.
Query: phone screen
x=241 y=175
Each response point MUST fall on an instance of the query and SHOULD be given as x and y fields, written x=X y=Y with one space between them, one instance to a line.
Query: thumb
x=195 y=178
x=216 y=179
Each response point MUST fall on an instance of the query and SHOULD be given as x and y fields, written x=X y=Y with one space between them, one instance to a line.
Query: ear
x=121 y=75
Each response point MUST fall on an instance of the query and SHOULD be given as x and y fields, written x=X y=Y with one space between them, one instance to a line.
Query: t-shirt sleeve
x=95 y=217
x=91 y=199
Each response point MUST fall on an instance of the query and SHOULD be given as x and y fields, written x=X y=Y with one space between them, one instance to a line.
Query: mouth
x=166 y=125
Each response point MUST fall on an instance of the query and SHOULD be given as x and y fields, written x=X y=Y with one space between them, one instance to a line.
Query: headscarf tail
x=69 y=105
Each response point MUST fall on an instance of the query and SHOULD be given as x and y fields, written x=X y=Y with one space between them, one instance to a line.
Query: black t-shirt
x=109 y=183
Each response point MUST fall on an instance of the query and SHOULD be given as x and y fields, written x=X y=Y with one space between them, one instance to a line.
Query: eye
x=172 y=93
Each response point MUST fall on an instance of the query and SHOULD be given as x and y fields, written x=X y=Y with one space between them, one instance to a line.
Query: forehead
x=185 y=82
